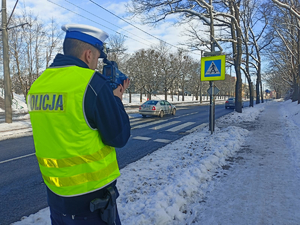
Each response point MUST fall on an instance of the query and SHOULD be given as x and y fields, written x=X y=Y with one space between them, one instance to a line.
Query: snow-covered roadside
x=291 y=130
x=16 y=129
x=262 y=183
x=165 y=186
x=18 y=102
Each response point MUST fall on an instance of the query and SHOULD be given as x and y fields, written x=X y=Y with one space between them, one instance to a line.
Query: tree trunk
x=200 y=92
x=257 y=92
x=298 y=80
x=261 y=92
x=129 y=96
x=295 y=93
x=250 y=84
x=237 y=52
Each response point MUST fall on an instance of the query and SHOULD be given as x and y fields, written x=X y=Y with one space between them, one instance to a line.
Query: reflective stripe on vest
x=60 y=163
x=72 y=157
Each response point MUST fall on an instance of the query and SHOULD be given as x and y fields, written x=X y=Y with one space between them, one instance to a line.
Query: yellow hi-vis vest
x=72 y=157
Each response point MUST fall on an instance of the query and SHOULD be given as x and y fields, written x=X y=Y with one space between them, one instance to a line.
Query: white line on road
x=141 y=138
x=135 y=119
x=24 y=156
x=174 y=129
x=149 y=124
x=141 y=121
x=162 y=140
x=165 y=125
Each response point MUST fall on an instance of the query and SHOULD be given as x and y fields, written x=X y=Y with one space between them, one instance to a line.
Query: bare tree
x=285 y=52
x=116 y=48
x=275 y=82
x=225 y=13
x=163 y=67
x=254 y=17
x=17 y=51
x=293 y=7
x=194 y=83
x=53 y=38
x=34 y=38
x=142 y=72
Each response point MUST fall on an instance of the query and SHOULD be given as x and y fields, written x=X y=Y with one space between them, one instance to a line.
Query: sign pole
x=212 y=34
x=212 y=107
x=212 y=68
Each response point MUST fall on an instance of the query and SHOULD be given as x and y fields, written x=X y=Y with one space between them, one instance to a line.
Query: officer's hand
x=126 y=83
x=121 y=88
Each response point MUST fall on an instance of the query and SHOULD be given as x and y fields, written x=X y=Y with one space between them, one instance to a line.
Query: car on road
x=157 y=108
x=230 y=103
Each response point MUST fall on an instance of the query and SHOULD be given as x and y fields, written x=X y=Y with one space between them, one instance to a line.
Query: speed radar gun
x=113 y=74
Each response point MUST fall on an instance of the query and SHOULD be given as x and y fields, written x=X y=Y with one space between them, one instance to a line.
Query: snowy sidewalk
x=262 y=186
x=247 y=172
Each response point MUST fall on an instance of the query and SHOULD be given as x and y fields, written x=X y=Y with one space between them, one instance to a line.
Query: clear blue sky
x=87 y=12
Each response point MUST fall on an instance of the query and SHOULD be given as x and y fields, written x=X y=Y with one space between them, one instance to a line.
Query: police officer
x=77 y=121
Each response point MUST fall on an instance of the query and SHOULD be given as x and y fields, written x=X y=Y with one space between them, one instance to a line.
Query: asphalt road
x=22 y=191
x=148 y=136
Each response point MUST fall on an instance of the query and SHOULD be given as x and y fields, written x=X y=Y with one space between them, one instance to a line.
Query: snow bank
x=42 y=217
x=164 y=187
x=248 y=114
x=291 y=131
x=18 y=102
x=160 y=188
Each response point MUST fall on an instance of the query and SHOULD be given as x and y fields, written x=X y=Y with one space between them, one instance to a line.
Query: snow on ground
x=15 y=129
x=262 y=185
x=18 y=102
x=247 y=172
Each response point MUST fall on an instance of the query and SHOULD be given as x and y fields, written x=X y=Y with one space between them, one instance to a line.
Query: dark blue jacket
x=105 y=112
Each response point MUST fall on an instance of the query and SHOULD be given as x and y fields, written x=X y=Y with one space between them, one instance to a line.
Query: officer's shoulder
x=98 y=82
x=99 y=76
x=98 y=79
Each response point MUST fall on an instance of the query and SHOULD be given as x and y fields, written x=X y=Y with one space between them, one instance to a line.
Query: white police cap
x=85 y=33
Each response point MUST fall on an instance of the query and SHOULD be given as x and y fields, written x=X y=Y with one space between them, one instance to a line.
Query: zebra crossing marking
x=135 y=119
x=142 y=138
x=164 y=125
x=162 y=140
x=177 y=128
x=148 y=124
x=141 y=121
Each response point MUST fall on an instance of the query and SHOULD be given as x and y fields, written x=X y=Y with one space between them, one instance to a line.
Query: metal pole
x=200 y=80
x=298 y=81
x=7 y=84
x=212 y=102
x=212 y=111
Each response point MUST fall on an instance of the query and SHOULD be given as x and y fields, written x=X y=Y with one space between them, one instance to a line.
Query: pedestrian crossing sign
x=213 y=68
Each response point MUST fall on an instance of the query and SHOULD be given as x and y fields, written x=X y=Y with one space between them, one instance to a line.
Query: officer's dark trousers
x=92 y=219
